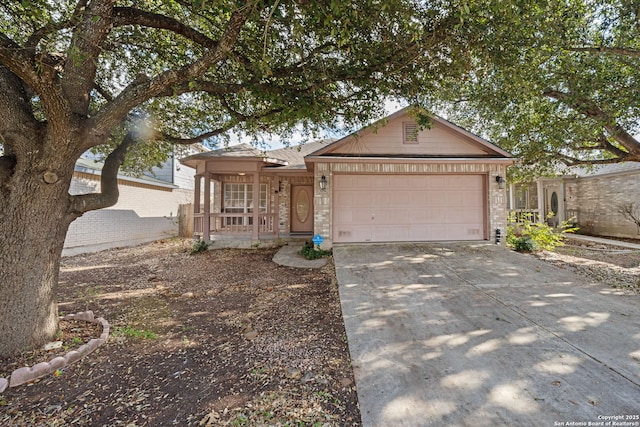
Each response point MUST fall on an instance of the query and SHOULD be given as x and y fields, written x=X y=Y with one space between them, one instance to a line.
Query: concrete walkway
x=605 y=241
x=475 y=335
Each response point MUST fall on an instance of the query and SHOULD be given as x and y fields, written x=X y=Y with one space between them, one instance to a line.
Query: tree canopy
x=556 y=83
x=189 y=70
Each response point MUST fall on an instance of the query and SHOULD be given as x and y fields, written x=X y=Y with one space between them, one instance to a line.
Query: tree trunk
x=35 y=218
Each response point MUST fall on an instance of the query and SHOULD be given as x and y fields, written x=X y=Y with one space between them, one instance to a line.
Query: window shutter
x=410 y=133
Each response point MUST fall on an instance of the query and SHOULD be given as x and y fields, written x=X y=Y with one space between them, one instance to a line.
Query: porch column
x=276 y=206
x=256 y=206
x=541 y=213
x=562 y=203
x=197 y=189
x=196 y=194
x=206 y=226
x=511 y=200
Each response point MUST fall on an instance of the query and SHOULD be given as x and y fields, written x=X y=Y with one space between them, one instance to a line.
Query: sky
x=273 y=142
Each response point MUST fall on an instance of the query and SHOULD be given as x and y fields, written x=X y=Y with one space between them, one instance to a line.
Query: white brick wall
x=141 y=214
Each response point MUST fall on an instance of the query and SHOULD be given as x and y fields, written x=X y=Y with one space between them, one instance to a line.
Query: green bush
x=199 y=246
x=525 y=244
x=309 y=251
x=530 y=236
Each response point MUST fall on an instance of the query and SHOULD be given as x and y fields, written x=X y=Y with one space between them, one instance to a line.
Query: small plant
x=129 y=332
x=309 y=251
x=526 y=235
x=89 y=294
x=241 y=420
x=77 y=340
x=199 y=246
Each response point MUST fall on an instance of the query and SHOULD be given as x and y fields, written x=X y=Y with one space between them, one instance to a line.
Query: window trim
x=246 y=218
x=247 y=208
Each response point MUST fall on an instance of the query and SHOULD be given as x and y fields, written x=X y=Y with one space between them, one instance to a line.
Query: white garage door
x=397 y=208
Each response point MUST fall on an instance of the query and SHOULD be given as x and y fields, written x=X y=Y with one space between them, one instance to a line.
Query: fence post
x=185 y=220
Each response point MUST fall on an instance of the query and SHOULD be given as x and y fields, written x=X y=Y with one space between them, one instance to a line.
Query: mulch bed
x=226 y=337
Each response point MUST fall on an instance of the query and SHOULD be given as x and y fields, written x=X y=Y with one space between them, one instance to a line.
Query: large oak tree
x=129 y=77
x=556 y=83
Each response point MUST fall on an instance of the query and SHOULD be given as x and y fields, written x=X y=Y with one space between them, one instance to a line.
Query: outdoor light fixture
x=323 y=183
x=501 y=182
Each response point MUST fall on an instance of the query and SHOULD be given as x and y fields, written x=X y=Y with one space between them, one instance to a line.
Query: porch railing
x=520 y=215
x=233 y=223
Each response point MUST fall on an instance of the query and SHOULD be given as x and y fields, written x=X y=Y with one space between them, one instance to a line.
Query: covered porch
x=230 y=205
x=544 y=200
x=247 y=196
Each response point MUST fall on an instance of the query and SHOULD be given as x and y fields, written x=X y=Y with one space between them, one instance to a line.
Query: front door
x=302 y=209
x=552 y=207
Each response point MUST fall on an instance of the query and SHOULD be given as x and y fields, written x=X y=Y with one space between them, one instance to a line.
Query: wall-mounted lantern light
x=501 y=182
x=323 y=183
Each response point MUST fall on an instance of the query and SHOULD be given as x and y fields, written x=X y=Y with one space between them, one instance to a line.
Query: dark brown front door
x=302 y=209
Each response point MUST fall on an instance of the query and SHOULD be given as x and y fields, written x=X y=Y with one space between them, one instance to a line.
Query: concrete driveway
x=462 y=334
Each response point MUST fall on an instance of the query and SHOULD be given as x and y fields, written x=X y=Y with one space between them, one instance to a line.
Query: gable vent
x=410 y=133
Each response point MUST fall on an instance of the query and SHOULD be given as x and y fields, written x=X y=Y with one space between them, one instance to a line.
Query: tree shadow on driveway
x=473 y=334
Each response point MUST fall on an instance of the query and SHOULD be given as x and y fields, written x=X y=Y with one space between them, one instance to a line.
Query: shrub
x=525 y=244
x=199 y=246
x=529 y=236
x=309 y=251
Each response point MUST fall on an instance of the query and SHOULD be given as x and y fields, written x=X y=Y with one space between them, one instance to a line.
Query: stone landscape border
x=29 y=373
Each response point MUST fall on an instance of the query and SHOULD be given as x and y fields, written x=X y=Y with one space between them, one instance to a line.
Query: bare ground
x=226 y=337
x=222 y=338
x=610 y=265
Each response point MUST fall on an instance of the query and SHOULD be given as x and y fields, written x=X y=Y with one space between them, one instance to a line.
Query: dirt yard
x=223 y=338
x=610 y=265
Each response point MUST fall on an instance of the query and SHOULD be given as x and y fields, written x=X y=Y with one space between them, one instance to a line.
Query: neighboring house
x=146 y=210
x=590 y=197
x=390 y=182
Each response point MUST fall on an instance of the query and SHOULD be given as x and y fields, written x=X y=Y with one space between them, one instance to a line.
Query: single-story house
x=389 y=182
x=592 y=198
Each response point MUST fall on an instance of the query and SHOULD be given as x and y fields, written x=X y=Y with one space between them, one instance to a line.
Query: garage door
x=387 y=208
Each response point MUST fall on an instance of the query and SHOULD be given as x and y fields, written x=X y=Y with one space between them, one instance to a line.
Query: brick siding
x=597 y=201
x=142 y=213
x=496 y=203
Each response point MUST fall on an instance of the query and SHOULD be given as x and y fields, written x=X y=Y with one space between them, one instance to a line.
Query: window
x=526 y=196
x=410 y=135
x=238 y=199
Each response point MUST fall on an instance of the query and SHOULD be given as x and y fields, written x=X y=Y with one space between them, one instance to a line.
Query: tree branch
x=81 y=65
x=35 y=38
x=140 y=91
x=109 y=193
x=43 y=80
x=574 y=161
x=18 y=61
x=623 y=51
x=15 y=109
x=590 y=109
x=132 y=16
